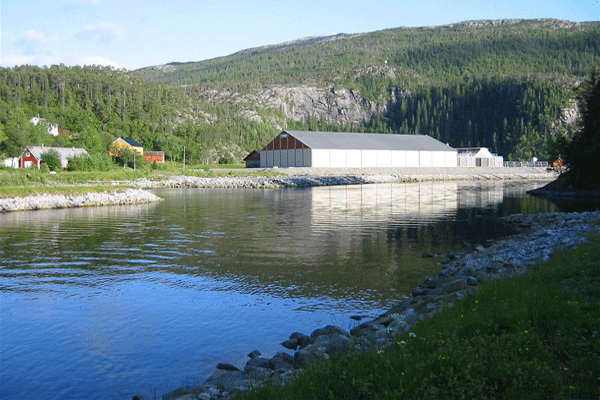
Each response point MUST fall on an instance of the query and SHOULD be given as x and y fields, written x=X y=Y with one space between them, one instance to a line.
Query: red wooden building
x=33 y=155
x=155 y=156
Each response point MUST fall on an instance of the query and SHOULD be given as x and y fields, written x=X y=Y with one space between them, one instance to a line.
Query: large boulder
x=322 y=347
x=329 y=330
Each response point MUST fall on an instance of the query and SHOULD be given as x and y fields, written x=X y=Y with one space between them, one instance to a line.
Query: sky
x=133 y=34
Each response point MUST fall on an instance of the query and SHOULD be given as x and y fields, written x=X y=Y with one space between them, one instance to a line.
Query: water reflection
x=97 y=302
x=412 y=203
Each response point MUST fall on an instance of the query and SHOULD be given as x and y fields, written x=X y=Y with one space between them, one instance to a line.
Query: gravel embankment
x=288 y=177
x=91 y=199
x=299 y=177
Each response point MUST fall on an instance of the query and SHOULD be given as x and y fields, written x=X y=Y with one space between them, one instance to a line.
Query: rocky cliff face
x=330 y=104
x=275 y=104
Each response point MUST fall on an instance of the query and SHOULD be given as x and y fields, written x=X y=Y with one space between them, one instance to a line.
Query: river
x=109 y=302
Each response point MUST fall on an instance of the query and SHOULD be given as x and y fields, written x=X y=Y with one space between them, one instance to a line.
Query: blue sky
x=138 y=33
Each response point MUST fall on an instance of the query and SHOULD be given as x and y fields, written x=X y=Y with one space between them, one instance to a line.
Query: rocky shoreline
x=460 y=274
x=90 y=199
x=305 y=177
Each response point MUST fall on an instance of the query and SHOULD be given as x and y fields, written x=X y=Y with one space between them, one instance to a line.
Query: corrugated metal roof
x=64 y=152
x=368 y=141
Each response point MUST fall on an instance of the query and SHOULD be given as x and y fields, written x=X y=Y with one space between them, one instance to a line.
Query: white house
x=51 y=128
x=352 y=150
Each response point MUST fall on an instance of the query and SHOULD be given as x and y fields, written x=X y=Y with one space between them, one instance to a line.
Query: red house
x=33 y=155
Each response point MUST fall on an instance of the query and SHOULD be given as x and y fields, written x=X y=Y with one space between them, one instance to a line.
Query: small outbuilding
x=154 y=156
x=252 y=160
x=33 y=155
x=355 y=150
x=478 y=157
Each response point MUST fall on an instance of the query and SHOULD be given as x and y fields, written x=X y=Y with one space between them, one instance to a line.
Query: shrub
x=80 y=162
x=226 y=159
x=158 y=166
x=97 y=162
x=51 y=159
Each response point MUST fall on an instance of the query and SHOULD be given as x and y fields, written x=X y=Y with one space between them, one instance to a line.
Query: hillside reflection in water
x=114 y=301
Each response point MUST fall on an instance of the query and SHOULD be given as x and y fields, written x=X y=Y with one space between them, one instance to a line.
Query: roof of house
x=64 y=152
x=131 y=142
x=368 y=141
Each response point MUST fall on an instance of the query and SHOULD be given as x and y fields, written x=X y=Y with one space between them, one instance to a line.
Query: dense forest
x=506 y=85
x=98 y=104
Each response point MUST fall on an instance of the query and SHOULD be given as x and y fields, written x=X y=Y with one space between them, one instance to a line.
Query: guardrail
x=517 y=164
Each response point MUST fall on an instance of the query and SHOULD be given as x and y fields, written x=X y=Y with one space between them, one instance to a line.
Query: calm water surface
x=105 y=303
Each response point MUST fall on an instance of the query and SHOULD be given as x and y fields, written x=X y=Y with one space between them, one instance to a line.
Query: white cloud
x=13 y=60
x=98 y=60
x=100 y=33
x=32 y=42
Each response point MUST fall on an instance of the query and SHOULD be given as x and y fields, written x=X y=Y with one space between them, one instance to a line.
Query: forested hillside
x=506 y=85
x=98 y=104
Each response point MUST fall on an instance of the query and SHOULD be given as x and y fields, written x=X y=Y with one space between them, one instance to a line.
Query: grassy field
x=535 y=336
x=26 y=182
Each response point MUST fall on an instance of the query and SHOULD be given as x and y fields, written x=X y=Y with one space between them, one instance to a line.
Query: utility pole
x=184 y=157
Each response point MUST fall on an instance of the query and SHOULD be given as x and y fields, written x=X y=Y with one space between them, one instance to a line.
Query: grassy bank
x=535 y=336
x=27 y=182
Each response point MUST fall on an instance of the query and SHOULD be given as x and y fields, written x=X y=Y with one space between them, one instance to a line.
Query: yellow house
x=120 y=143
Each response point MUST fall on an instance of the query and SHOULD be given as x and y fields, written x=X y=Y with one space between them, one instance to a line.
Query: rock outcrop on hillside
x=300 y=103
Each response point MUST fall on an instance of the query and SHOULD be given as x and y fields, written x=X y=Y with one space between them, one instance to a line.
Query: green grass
x=536 y=336
x=25 y=182
x=10 y=192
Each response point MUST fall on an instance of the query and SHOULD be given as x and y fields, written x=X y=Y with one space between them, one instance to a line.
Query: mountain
x=504 y=84
x=509 y=85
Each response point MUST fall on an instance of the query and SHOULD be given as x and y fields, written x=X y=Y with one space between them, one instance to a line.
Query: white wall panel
x=369 y=158
x=451 y=158
x=438 y=158
x=384 y=158
x=398 y=158
x=337 y=158
x=320 y=158
x=353 y=158
x=425 y=158
x=412 y=158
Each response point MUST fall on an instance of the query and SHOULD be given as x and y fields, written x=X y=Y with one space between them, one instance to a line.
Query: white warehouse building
x=356 y=150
